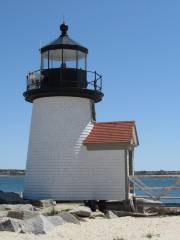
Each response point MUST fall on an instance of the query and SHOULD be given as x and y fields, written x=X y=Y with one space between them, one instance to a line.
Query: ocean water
x=161 y=182
x=11 y=183
x=16 y=184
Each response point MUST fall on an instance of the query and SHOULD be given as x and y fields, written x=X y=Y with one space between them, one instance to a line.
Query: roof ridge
x=132 y=121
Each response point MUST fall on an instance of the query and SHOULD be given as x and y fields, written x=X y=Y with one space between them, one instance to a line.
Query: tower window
x=93 y=112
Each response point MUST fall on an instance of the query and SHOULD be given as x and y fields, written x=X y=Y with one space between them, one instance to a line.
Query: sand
x=125 y=228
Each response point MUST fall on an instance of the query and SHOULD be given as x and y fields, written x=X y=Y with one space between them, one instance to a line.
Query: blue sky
x=135 y=45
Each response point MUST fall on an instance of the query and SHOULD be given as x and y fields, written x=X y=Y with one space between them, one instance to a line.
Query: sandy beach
x=126 y=228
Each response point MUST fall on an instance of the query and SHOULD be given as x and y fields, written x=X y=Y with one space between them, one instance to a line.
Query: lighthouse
x=71 y=156
x=63 y=101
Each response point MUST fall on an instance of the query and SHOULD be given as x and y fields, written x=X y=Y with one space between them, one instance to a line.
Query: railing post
x=101 y=84
x=27 y=82
x=95 y=81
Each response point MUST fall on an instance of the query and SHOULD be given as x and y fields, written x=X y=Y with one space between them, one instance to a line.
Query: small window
x=93 y=111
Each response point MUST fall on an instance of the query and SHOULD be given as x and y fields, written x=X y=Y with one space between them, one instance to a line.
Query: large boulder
x=81 y=211
x=11 y=225
x=17 y=207
x=56 y=220
x=26 y=207
x=10 y=198
x=22 y=214
x=68 y=217
x=37 y=225
x=49 y=211
x=43 y=203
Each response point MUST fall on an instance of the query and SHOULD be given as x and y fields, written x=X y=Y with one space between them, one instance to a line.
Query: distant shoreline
x=12 y=172
x=21 y=172
x=159 y=172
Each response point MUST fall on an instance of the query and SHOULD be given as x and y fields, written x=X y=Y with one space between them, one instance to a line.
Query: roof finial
x=63 y=28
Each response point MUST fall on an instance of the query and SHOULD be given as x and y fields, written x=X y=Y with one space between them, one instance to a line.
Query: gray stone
x=26 y=207
x=97 y=214
x=111 y=215
x=68 y=217
x=81 y=211
x=43 y=203
x=132 y=214
x=149 y=202
x=3 y=214
x=56 y=220
x=11 y=225
x=22 y=214
x=23 y=207
x=10 y=198
x=49 y=211
x=3 y=207
x=37 y=225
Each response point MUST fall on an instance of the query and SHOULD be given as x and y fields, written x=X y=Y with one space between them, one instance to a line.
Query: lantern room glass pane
x=66 y=58
x=55 y=58
x=69 y=58
x=44 y=60
x=81 y=60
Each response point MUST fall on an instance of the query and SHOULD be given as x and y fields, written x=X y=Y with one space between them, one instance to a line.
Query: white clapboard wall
x=59 y=166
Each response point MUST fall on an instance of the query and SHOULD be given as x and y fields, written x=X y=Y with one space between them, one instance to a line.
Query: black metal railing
x=37 y=80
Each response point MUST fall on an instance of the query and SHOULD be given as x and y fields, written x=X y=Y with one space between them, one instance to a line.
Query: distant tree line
x=21 y=172
x=159 y=172
x=12 y=172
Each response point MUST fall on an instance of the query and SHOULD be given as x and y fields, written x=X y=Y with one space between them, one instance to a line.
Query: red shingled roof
x=112 y=132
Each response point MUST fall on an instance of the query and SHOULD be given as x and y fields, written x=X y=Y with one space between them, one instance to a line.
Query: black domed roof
x=64 y=42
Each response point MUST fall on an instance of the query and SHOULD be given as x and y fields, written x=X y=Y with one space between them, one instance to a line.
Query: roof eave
x=135 y=136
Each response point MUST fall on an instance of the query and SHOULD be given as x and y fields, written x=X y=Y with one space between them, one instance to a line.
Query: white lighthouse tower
x=63 y=99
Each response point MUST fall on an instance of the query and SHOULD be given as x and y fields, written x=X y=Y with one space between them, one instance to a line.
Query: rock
x=37 y=225
x=10 y=198
x=3 y=207
x=23 y=207
x=102 y=205
x=97 y=214
x=56 y=220
x=68 y=217
x=11 y=225
x=81 y=219
x=3 y=214
x=49 y=211
x=81 y=211
x=92 y=204
x=150 y=202
x=111 y=215
x=163 y=210
x=132 y=214
x=43 y=203
x=26 y=207
x=22 y=214
x=140 y=208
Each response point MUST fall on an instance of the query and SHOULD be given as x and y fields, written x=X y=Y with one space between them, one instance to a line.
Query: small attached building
x=110 y=148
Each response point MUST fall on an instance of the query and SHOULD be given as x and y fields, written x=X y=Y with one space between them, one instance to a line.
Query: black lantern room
x=63 y=71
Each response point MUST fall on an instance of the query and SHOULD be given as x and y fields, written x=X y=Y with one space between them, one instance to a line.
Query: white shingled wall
x=59 y=166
